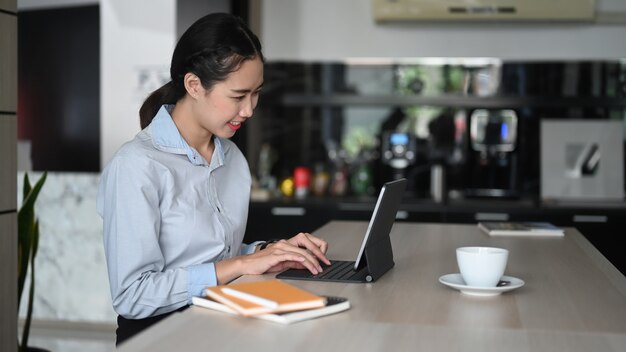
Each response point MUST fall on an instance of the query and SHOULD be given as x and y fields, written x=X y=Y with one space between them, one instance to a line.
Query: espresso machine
x=398 y=154
x=493 y=161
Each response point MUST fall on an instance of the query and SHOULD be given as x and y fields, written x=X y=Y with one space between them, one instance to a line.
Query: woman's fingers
x=289 y=264
x=303 y=251
x=288 y=247
x=271 y=260
x=315 y=245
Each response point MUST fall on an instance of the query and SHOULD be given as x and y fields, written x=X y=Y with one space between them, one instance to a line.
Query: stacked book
x=538 y=229
x=272 y=300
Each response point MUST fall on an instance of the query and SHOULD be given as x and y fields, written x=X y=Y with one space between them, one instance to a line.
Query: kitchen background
x=456 y=107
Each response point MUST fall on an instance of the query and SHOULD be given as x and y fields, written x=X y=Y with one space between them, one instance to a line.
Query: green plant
x=28 y=241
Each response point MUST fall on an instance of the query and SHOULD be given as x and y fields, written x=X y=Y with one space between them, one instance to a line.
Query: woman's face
x=223 y=109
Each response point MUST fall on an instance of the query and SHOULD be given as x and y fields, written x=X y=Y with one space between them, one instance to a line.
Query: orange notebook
x=263 y=297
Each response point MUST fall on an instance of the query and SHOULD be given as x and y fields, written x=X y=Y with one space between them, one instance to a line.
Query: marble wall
x=71 y=278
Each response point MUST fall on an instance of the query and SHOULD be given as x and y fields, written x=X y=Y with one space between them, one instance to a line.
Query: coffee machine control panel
x=399 y=149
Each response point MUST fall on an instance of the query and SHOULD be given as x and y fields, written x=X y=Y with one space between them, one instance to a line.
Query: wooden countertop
x=573 y=300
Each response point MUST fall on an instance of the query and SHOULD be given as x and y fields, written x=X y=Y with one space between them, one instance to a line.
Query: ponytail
x=152 y=104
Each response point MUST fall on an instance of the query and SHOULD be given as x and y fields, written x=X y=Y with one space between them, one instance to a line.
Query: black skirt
x=127 y=328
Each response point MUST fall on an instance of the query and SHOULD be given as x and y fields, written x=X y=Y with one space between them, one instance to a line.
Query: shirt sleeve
x=128 y=201
x=200 y=277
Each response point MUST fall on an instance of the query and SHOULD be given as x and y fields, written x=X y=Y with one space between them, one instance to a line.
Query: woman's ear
x=193 y=86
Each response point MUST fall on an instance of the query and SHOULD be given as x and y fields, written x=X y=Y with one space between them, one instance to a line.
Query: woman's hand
x=315 y=245
x=303 y=251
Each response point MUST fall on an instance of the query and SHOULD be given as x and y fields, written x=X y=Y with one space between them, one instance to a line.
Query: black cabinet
x=284 y=219
x=603 y=226
x=473 y=211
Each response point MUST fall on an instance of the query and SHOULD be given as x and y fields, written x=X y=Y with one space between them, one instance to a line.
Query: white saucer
x=456 y=281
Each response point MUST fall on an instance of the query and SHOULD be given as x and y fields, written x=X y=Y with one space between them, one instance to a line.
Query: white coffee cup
x=482 y=266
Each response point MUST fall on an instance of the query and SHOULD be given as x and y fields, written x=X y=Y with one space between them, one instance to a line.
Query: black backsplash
x=310 y=109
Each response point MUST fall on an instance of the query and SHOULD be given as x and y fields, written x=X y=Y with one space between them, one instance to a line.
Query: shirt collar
x=167 y=138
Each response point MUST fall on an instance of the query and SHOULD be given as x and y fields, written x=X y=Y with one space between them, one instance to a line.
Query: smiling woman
x=174 y=200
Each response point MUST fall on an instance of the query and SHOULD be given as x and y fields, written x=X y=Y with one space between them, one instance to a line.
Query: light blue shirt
x=169 y=216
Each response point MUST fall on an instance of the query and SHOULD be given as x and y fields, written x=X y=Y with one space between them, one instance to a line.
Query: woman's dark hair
x=212 y=48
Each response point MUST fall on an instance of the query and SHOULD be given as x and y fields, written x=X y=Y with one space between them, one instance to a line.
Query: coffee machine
x=493 y=161
x=398 y=155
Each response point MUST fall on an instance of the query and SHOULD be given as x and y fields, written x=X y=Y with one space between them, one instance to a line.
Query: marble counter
x=71 y=278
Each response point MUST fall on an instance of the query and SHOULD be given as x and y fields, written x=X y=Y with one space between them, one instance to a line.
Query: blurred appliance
x=493 y=131
x=493 y=139
x=442 y=148
x=582 y=160
x=483 y=10
x=399 y=151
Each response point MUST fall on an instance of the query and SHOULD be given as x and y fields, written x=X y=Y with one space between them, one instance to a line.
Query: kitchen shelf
x=452 y=100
